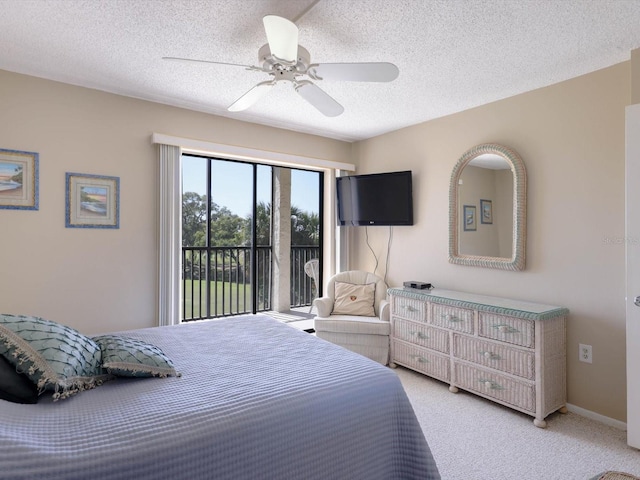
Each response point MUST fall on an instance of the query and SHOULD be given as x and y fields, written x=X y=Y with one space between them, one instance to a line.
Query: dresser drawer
x=454 y=318
x=409 y=308
x=421 y=334
x=494 y=385
x=507 y=329
x=494 y=355
x=421 y=360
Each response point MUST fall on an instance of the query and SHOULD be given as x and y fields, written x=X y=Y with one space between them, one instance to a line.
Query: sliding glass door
x=229 y=240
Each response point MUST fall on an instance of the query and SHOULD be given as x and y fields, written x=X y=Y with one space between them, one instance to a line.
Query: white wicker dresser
x=508 y=351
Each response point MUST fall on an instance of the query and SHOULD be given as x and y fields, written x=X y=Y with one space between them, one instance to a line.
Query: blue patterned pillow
x=53 y=356
x=128 y=357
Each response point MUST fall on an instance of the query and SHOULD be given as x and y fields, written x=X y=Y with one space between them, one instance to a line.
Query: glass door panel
x=306 y=233
x=230 y=242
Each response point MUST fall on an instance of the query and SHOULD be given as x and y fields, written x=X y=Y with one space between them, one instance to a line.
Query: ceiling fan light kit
x=285 y=60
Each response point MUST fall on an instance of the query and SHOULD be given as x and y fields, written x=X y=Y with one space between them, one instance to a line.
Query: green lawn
x=226 y=293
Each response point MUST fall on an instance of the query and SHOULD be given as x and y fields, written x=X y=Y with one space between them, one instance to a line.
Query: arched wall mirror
x=487 y=209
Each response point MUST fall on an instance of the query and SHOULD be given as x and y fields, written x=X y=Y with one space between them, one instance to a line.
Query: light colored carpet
x=474 y=439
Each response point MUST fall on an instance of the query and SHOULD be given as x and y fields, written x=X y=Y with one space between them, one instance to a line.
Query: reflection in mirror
x=487 y=209
x=487 y=177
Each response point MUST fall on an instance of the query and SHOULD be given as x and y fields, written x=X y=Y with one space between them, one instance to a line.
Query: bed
x=256 y=399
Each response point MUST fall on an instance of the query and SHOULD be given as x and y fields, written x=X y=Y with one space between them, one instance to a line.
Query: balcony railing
x=303 y=290
x=216 y=281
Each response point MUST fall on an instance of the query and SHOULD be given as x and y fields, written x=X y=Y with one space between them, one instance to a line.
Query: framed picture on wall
x=469 y=218
x=18 y=180
x=486 y=212
x=92 y=201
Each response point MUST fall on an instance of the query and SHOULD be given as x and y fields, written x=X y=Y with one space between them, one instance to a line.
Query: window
x=228 y=241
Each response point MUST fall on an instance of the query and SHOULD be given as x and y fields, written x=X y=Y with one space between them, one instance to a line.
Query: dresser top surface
x=505 y=306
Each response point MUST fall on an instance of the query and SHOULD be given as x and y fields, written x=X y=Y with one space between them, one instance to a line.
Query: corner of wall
x=635 y=76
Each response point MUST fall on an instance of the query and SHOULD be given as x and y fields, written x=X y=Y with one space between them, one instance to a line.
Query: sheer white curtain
x=170 y=235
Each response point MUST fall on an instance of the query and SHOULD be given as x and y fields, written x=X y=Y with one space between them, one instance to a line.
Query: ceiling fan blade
x=204 y=61
x=251 y=97
x=355 y=72
x=319 y=98
x=282 y=35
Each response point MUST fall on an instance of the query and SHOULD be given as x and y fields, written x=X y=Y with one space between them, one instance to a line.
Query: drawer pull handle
x=489 y=385
x=409 y=308
x=451 y=318
x=490 y=355
x=502 y=328
x=420 y=359
x=420 y=335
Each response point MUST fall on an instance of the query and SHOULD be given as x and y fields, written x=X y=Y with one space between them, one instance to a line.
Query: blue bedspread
x=257 y=400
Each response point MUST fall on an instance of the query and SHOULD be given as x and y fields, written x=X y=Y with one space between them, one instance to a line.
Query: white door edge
x=632 y=252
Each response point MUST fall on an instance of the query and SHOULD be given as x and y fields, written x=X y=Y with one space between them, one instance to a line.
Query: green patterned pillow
x=53 y=356
x=128 y=357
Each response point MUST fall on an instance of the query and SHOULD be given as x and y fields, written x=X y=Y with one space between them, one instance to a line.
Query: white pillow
x=354 y=299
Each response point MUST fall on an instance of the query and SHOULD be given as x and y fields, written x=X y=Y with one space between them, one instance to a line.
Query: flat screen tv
x=375 y=199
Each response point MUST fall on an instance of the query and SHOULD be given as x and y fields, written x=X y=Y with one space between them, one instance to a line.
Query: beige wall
x=635 y=76
x=571 y=138
x=91 y=279
x=570 y=135
x=503 y=215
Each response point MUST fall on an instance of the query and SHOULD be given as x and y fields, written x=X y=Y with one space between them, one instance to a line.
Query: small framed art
x=469 y=218
x=92 y=201
x=486 y=212
x=18 y=180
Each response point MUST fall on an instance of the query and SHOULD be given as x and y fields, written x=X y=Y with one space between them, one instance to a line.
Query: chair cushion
x=359 y=277
x=354 y=299
x=352 y=324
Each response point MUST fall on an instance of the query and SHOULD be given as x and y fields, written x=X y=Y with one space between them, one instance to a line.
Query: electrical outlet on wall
x=585 y=353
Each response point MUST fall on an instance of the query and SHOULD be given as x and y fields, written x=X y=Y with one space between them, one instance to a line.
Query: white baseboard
x=612 y=422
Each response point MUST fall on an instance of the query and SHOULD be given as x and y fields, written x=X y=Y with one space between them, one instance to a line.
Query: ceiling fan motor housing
x=281 y=69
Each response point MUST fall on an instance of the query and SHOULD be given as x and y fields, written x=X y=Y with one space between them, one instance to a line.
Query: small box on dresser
x=508 y=351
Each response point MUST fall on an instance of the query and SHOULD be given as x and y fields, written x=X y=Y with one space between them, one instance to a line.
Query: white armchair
x=354 y=314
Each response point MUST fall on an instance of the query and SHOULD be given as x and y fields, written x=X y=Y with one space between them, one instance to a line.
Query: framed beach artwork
x=486 y=212
x=92 y=201
x=18 y=180
x=469 y=218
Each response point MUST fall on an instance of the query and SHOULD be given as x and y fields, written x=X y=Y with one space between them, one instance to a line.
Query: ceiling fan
x=284 y=60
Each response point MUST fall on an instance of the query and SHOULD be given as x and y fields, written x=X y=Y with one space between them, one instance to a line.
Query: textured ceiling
x=452 y=54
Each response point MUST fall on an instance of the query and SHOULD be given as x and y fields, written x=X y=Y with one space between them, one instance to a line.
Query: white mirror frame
x=517 y=260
